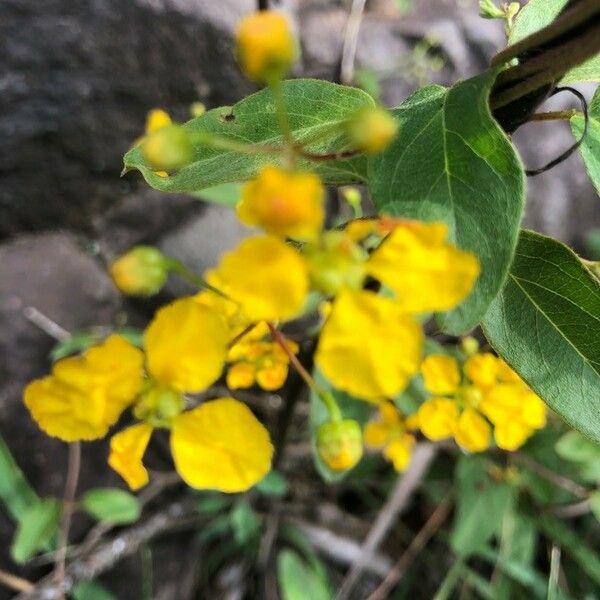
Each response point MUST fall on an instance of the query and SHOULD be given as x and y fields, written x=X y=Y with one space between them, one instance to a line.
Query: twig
x=73 y=469
x=15 y=582
x=109 y=553
x=351 y=41
x=554 y=115
x=558 y=480
x=46 y=324
x=396 y=504
x=419 y=542
x=572 y=511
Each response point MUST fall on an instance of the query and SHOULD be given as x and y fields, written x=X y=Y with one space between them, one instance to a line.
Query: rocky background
x=77 y=79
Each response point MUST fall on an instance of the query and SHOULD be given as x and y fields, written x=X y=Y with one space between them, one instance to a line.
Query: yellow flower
x=168 y=148
x=140 y=272
x=157 y=119
x=186 y=346
x=437 y=418
x=240 y=375
x=440 y=373
x=339 y=444
x=472 y=432
x=265 y=276
x=127 y=449
x=221 y=445
x=511 y=435
x=284 y=203
x=368 y=346
x=388 y=432
x=482 y=369
x=371 y=129
x=85 y=395
x=426 y=272
x=265 y=46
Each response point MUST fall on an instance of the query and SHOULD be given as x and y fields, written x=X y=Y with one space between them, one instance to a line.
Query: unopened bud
x=469 y=345
x=140 y=272
x=197 y=109
x=168 y=148
x=339 y=444
x=158 y=405
x=371 y=129
x=266 y=47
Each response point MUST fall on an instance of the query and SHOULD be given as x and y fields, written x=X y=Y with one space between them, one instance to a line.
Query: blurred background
x=77 y=78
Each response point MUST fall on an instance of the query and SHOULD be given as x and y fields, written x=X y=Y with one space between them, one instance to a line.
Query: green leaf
x=451 y=162
x=537 y=14
x=91 y=590
x=317 y=112
x=590 y=147
x=35 y=529
x=298 y=580
x=546 y=324
x=227 y=194
x=212 y=503
x=481 y=506
x=111 y=505
x=273 y=484
x=351 y=408
x=15 y=492
x=244 y=523
x=575 y=447
x=76 y=343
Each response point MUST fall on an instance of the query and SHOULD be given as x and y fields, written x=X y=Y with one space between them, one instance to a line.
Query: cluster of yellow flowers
x=375 y=279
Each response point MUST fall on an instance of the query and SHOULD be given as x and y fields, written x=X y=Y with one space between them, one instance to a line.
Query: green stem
x=181 y=270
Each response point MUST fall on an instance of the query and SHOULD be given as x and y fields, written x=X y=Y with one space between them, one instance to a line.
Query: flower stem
x=325 y=396
x=73 y=469
x=181 y=270
x=556 y=115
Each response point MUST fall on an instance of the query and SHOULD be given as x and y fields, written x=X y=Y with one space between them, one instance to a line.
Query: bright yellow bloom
x=86 y=394
x=339 y=444
x=142 y=271
x=388 y=432
x=240 y=375
x=506 y=374
x=472 y=431
x=168 y=148
x=371 y=129
x=426 y=272
x=157 y=119
x=186 y=345
x=511 y=435
x=265 y=276
x=440 y=374
x=482 y=369
x=284 y=203
x=127 y=449
x=221 y=445
x=266 y=47
x=437 y=418
x=368 y=346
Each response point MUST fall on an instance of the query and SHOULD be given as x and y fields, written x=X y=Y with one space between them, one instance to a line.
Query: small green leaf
x=15 y=492
x=317 y=110
x=91 y=590
x=481 y=505
x=350 y=407
x=590 y=147
x=74 y=344
x=546 y=324
x=227 y=194
x=111 y=505
x=244 y=523
x=456 y=165
x=575 y=447
x=212 y=503
x=273 y=484
x=35 y=529
x=298 y=580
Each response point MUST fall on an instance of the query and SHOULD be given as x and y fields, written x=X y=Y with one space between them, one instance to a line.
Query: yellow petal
x=273 y=377
x=268 y=278
x=221 y=445
x=157 y=119
x=533 y=410
x=240 y=375
x=127 y=449
x=482 y=369
x=399 y=451
x=506 y=374
x=369 y=347
x=440 y=374
x=85 y=395
x=502 y=403
x=511 y=435
x=284 y=203
x=472 y=431
x=426 y=273
x=376 y=434
x=186 y=345
x=437 y=418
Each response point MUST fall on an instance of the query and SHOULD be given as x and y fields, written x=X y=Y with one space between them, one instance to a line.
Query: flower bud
x=158 y=405
x=339 y=444
x=469 y=345
x=168 y=148
x=266 y=47
x=140 y=272
x=488 y=10
x=371 y=129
